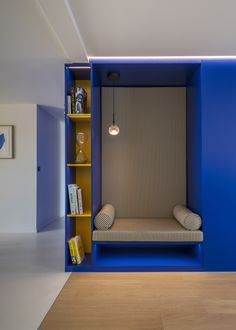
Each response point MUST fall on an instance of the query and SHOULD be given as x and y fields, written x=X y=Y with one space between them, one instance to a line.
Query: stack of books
x=75 y=199
x=76 y=250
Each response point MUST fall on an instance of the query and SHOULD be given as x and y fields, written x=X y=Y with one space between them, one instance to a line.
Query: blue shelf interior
x=84 y=266
x=146 y=255
x=108 y=257
x=146 y=74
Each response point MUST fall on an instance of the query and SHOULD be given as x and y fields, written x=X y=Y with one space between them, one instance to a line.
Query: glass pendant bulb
x=113 y=130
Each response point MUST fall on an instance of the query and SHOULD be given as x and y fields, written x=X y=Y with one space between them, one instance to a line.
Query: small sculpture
x=80 y=100
x=81 y=157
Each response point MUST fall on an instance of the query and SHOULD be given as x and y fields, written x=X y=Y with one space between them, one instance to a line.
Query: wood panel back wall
x=144 y=167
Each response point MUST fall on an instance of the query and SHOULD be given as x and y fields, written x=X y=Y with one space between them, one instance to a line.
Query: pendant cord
x=113 y=107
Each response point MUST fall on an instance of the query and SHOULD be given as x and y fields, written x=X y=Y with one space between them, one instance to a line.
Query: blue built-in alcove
x=148 y=255
x=210 y=163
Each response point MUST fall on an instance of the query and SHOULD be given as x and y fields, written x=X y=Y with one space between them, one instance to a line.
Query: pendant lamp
x=113 y=129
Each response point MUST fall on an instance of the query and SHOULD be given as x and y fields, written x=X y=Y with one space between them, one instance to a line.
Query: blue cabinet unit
x=210 y=164
x=219 y=164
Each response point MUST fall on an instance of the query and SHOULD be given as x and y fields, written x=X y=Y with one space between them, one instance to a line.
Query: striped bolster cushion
x=186 y=218
x=105 y=218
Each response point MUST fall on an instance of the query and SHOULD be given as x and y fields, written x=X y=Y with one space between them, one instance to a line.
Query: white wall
x=50 y=179
x=18 y=175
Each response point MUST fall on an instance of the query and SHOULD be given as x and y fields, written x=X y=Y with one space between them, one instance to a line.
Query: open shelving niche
x=121 y=256
x=79 y=224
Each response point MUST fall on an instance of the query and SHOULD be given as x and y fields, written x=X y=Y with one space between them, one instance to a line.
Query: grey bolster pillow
x=105 y=217
x=186 y=218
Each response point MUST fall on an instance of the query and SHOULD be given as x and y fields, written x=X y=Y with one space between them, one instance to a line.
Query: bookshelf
x=80 y=174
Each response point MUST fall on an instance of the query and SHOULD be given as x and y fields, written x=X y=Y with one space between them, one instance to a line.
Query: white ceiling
x=156 y=27
x=38 y=36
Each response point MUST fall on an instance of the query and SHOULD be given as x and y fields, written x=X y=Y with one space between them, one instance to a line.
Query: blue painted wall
x=96 y=142
x=219 y=164
x=194 y=143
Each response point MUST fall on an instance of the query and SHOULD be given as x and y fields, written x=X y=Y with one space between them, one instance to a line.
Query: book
x=80 y=200
x=75 y=188
x=72 y=198
x=72 y=93
x=78 y=249
x=72 y=252
x=75 y=199
x=69 y=104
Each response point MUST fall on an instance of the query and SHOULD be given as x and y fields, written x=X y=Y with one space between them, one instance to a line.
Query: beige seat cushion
x=147 y=230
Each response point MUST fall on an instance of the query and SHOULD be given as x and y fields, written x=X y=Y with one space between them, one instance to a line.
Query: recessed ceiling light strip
x=161 y=58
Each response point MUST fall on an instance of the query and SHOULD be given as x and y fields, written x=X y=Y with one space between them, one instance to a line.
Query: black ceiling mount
x=113 y=76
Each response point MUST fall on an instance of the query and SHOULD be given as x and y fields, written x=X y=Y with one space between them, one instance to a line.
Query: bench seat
x=147 y=230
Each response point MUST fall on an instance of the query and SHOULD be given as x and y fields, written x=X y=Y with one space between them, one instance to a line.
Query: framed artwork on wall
x=6 y=141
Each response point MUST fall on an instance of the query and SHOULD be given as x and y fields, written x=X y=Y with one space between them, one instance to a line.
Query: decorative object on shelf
x=80 y=100
x=6 y=141
x=81 y=157
x=113 y=129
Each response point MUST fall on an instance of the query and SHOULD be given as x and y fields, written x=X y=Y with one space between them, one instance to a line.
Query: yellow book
x=78 y=248
x=72 y=251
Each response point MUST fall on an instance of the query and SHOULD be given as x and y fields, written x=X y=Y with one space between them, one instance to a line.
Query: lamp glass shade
x=114 y=130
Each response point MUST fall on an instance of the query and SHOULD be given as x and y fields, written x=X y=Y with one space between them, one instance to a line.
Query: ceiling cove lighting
x=163 y=58
x=113 y=129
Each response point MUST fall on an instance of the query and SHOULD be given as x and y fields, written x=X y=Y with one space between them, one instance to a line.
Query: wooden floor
x=145 y=301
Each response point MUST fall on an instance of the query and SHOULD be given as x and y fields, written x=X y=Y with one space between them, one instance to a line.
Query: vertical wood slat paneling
x=144 y=167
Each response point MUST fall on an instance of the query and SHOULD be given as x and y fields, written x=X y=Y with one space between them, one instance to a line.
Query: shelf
x=84 y=215
x=84 y=266
x=80 y=117
x=108 y=265
x=147 y=256
x=79 y=165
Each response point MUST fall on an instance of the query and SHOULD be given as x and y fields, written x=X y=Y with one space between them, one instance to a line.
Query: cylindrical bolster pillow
x=105 y=217
x=186 y=218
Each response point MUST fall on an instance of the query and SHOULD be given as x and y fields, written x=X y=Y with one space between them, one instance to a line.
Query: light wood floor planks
x=145 y=301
